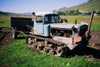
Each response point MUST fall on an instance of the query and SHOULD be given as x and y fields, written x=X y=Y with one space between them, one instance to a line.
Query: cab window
x=39 y=19
x=51 y=19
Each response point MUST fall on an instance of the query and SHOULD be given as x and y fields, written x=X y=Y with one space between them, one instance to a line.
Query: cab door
x=38 y=25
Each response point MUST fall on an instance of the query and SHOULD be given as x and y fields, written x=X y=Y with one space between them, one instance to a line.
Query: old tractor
x=48 y=34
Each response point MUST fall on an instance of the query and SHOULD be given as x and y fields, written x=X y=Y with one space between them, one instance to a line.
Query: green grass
x=95 y=23
x=17 y=54
x=5 y=21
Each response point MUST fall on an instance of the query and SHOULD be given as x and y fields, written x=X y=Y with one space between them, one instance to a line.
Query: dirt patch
x=95 y=40
x=89 y=57
x=92 y=51
x=5 y=36
x=2 y=51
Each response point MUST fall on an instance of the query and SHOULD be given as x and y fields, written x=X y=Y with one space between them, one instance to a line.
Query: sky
x=24 y=6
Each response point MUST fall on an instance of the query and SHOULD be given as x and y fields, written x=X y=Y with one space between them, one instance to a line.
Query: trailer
x=48 y=34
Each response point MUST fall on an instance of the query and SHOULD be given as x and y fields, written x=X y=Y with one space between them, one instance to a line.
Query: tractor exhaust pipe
x=89 y=26
x=78 y=39
x=90 y=22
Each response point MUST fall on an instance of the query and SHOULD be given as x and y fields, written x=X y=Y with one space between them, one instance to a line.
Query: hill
x=14 y=14
x=84 y=7
x=10 y=14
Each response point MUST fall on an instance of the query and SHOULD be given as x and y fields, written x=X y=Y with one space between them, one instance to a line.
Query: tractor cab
x=42 y=22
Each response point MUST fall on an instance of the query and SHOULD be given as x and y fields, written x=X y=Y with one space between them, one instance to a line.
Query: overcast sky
x=23 y=6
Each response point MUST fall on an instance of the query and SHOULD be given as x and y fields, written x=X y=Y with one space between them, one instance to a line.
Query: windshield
x=51 y=19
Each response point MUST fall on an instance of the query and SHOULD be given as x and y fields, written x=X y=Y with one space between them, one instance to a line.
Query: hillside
x=10 y=14
x=84 y=7
x=14 y=14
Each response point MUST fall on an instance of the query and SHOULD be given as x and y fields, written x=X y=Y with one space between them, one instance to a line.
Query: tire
x=14 y=33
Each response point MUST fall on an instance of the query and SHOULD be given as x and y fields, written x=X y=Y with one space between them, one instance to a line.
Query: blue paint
x=43 y=28
x=46 y=30
x=38 y=27
x=49 y=20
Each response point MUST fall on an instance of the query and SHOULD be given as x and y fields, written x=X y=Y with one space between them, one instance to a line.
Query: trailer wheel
x=14 y=33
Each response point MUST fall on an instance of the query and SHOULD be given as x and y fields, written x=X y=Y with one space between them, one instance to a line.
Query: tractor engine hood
x=64 y=25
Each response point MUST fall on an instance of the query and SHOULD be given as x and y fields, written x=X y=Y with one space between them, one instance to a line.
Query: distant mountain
x=10 y=14
x=28 y=14
x=84 y=7
x=14 y=14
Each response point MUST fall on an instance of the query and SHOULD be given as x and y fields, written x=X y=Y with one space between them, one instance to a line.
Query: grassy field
x=95 y=23
x=17 y=54
x=5 y=21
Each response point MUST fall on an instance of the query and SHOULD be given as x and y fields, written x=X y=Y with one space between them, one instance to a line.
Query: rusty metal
x=23 y=33
x=30 y=28
x=65 y=37
x=90 y=22
x=77 y=39
x=48 y=48
x=75 y=21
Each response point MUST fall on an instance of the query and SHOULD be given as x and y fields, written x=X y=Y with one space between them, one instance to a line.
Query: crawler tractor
x=48 y=34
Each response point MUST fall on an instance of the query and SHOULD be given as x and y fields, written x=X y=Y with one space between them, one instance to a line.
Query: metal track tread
x=47 y=45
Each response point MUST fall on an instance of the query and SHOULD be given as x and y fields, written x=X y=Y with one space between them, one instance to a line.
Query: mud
x=5 y=36
x=95 y=40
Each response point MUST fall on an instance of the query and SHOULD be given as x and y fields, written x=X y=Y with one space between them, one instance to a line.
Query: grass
x=17 y=54
x=5 y=20
x=95 y=23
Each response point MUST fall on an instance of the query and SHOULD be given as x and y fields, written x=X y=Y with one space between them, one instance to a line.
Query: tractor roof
x=44 y=13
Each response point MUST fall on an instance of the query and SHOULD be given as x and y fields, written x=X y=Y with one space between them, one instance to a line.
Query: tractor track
x=47 y=45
